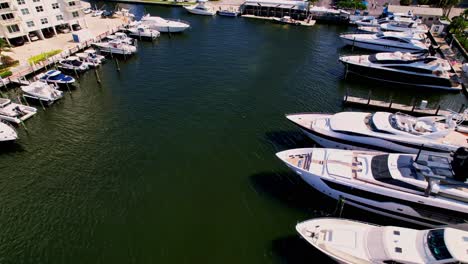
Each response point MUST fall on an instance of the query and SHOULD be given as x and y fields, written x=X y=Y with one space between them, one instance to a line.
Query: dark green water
x=172 y=159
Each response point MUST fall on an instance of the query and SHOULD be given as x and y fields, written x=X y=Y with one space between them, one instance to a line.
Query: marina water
x=171 y=160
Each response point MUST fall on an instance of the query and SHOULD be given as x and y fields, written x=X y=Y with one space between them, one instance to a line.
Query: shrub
x=43 y=56
x=7 y=62
x=405 y=2
x=5 y=74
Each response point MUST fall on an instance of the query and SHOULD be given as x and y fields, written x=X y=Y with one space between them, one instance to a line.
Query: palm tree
x=3 y=46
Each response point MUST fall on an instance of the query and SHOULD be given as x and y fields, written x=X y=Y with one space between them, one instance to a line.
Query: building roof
x=278 y=3
x=417 y=10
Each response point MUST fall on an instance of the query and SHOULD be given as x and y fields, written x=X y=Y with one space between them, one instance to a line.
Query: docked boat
x=7 y=133
x=143 y=32
x=97 y=13
x=387 y=41
x=56 y=77
x=116 y=47
x=369 y=30
x=42 y=91
x=404 y=27
x=15 y=113
x=122 y=37
x=426 y=189
x=73 y=63
x=200 y=9
x=286 y=20
x=384 y=131
x=351 y=242
x=91 y=58
x=411 y=69
x=376 y=22
x=228 y=13
x=164 y=25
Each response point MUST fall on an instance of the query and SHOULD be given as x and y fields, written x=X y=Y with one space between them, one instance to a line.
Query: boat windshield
x=436 y=244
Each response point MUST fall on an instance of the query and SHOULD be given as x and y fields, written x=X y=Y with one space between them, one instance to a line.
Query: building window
x=72 y=3
x=44 y=21
x=55 y=6
x=25 y=11
x=59 y=17
x=430 y=18
x=13 y=28
x=8 y=16
x=4 y=5
x=36 y=1
x=75 y=14
x=30 y=23
x=21 y=2
x=39 y=9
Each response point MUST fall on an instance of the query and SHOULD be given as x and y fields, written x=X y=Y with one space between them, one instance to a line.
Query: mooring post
x=117 y=64
x=42 y=104
x=461 y=108
x=391 y=101
x=26 y=101
x=352 y=48
x=68 y=88
x=97 y=75
x=169 y=31
x=437 y=110
x=346 y=95
x=346 y=71
x=369 y=97
x=413 y=102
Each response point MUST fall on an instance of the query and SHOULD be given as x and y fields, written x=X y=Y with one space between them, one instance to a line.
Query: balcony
x=12 y=8
x=12 y=21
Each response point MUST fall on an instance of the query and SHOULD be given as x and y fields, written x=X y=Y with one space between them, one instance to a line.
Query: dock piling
x=437 y=111
x=117 y=64
x=390 y=101
x=42 y=104
x=461 y=108
x=26 y=101
x=352 y=48
x=413 y=103
x=369 y=97
x=97 y=75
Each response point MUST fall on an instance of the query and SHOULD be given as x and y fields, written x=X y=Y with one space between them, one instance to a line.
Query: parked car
x=76 y=27
x=19 y=41
x=33 y=36
x=48 y=33
x=63 y=29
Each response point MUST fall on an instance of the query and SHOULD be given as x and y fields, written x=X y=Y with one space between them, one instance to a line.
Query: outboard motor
x=460 y=164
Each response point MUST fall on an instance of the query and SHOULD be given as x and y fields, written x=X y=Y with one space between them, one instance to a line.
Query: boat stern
x=7 y=133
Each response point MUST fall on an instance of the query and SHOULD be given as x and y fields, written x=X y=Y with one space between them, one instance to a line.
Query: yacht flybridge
x=384 y=131
x=347 y=241
x=425 y=189
x=405 y=68
x=387 y=41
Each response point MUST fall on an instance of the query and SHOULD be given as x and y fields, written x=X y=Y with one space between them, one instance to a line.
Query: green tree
x=447 y=5
x=423 y=2
x=405 y=2
x=4 y=46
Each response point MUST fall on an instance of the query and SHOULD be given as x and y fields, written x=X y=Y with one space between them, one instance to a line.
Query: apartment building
x=18 y=18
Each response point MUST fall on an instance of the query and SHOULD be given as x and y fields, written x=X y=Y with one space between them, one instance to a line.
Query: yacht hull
x=378 y=47
x=402 y=77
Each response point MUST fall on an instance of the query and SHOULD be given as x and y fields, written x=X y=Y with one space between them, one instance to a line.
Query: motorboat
x=228 y=13
x=116 y=47
x=286 y=20
x=91 y=58
x=87 y=10
x=412 y=69
x=123 y=12
x=404 y=27
x=427 y=189
x=369 y=30
x=200 y=9
x=92 y=53
x=7 y=133
x=15 y=113
x=376 y=22
x=387 y=41
x=143 y=32
x=56 y=77
x=97 y=13
x=121 y=37
x=73 y=63
x=383 y=131
x=351 y=242
x=164 y=25
x=42 y=91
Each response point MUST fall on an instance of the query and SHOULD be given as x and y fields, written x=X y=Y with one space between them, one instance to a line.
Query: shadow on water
x=10 y=147
x=290 y=139
x=295 y=250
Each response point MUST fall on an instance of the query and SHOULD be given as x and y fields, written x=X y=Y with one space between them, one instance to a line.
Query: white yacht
x=90 y=58
x=122 y=37
x=352 y=242
x=376 y=22
x=164 y=25
x=200 y=9
x=7 y=133
x=143 y=32
x=56 y=77
x=384 y=131
x=411 y=69
x=116 y=47
x=404 y=27
x=73 y=63
x=426 y=189
x=42 y=91
x=15 y=113
x=387 y=41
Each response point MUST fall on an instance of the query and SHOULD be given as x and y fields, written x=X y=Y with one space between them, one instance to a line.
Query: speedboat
x=376 y=22
x=56 y=77
x=404 y=27
x=121 y=37
x=228 y=13
x=92 y=54
x=7 y=133
x=116 y=47
x=351 y=242
x=164 y=25
x=91 y=58
x=143 y=31
x=42 y=91
x=15 y=113
x=412 y=69
x=387 y=41
x=426 y=189
x=369 y=30
x=384 y=131
x=200 y=9
x=286 y=20
x=73 y=63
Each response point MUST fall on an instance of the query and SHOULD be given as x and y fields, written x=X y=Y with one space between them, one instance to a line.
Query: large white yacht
x=7 y=133
x=352 y=242
x=200 y=9
x=401 y=26
x=384 y=131
x=412 y=69
x=387 y=41
x=427 y=189
x=164 y=25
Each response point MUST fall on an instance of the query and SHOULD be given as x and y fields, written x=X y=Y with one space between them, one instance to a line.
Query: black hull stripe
x=358 y=144
x=445 y=215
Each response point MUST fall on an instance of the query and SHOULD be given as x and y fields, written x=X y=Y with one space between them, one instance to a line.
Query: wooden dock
x=395 y=107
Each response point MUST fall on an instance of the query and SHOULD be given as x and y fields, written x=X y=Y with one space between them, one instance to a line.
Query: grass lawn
x=43 y=56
